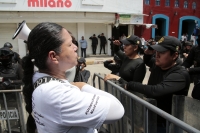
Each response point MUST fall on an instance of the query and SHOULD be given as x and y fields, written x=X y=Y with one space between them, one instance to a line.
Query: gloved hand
x=6 y=83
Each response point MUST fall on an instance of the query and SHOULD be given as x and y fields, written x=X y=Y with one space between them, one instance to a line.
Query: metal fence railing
x=140 y=113
x=12 y=111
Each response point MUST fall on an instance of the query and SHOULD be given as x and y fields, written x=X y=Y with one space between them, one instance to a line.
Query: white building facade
x=81 y=17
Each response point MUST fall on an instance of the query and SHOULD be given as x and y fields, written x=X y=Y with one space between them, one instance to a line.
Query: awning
x=149 y=25
x=146 y=25
x=131 y=19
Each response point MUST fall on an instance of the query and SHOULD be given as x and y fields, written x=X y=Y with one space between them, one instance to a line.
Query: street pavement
x=95 y=65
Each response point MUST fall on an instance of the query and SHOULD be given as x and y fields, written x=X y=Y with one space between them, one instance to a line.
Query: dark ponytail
x=28 y=89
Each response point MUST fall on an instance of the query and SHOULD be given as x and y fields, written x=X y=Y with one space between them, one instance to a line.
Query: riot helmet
x=9 y=45
x=6 y=55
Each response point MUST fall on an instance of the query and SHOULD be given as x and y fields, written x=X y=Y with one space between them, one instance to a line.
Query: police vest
x=10 y=73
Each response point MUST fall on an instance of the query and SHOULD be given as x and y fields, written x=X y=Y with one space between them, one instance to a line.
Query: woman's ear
x=52 y=56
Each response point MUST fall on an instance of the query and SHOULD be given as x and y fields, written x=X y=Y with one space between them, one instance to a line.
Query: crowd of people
x=72 y=105
x=169 y=73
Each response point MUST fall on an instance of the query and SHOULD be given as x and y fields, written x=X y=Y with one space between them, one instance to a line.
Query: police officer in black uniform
x=8 y=70
x=94 y=43
x=194 y=59
x=112 y=45
x=103 y=42
x=16 y=57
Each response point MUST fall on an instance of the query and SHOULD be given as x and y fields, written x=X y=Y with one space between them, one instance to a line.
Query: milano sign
x=49 y=3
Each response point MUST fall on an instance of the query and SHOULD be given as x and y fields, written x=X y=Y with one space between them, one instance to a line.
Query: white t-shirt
x=183 y=38
x=64 y=108
x=143 y=41
x=194 y=40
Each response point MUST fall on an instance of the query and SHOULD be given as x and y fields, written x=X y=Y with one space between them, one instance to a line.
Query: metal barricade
x=12 y=111
x=140 y=112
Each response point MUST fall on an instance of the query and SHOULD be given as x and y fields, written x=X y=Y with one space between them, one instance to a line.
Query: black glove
x=6 y=83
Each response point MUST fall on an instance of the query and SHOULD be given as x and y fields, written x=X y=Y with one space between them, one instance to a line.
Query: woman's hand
x=111 y=76
x=78 y=84
x=117 y=42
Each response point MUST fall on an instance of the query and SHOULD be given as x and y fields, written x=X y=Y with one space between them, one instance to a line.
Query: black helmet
x=8 y=45
x=6 y=55
x=5 y=51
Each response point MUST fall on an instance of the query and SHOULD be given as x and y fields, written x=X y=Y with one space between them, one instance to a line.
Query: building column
x=130 y=29
x=81 y=32
x=109 y=34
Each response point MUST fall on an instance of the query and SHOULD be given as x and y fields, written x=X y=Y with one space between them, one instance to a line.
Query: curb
x=94 y=62
x=97 y=59
x=89 y=62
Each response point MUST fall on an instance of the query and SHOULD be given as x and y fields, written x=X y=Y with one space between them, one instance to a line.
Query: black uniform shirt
x=131 y=69
x=94 y=40
x=193 y=59
x=102 y=39
x=163 y=84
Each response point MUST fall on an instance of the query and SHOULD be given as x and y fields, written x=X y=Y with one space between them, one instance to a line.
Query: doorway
x=160 y=31
x=188 y=28
x=162 y=22
x=119 y=31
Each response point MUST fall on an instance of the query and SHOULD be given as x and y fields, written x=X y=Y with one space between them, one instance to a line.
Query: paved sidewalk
x=97 y=59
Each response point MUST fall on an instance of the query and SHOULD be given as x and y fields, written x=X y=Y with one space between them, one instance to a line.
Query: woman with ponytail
x=55 y=105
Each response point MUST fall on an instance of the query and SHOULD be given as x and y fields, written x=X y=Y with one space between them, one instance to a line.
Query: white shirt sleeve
x=79 y=108
x=116 y=110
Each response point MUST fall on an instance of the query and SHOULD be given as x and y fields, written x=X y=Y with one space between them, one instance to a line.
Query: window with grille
x=167 y=2
x=176 y=3
x=147 y=2
x=157 y=2
x=185 y=5
x=194 y=5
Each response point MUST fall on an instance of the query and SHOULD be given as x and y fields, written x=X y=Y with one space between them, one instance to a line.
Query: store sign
x=124 y=18
x=130 y=19
x=49 y=3
x=12 y=114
